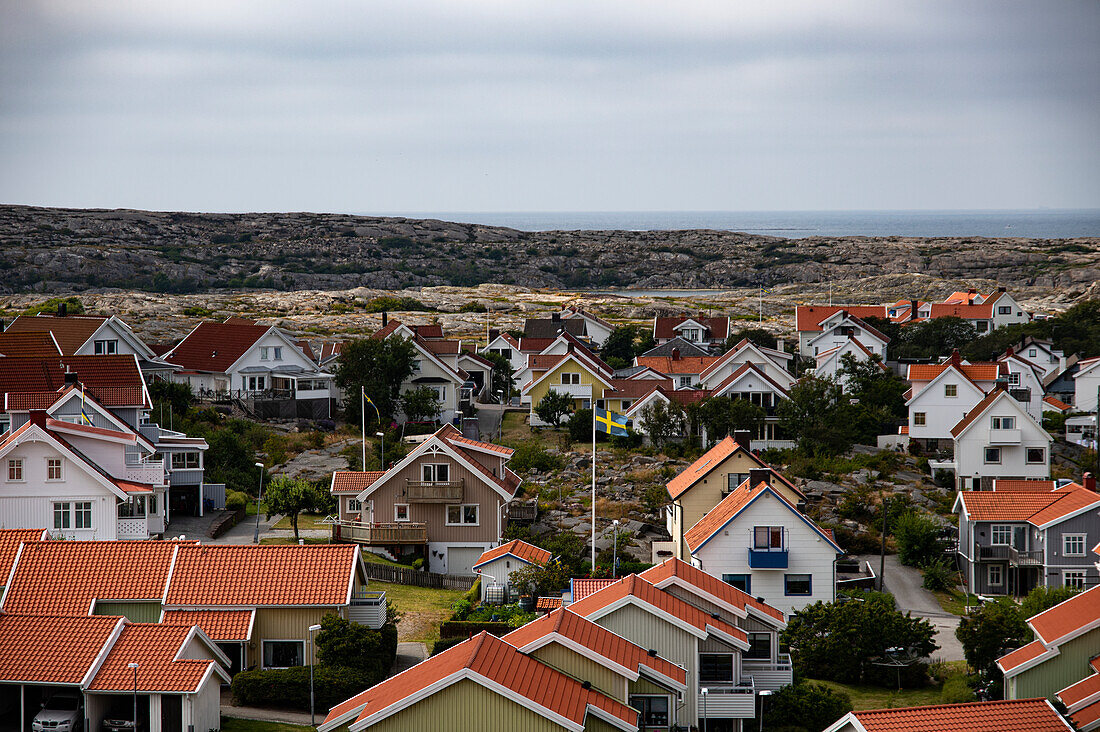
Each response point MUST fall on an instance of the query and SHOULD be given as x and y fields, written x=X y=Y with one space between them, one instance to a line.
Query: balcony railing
x=380 y=534
x=368 y=608
x=576 y=391
x=768 y=558
x=1004 y=437
x=144 y=471
x=429 y=491
x=1010 y=554
x=185 y=476
x=132 y=528
x=768 y=674
x=727 y=700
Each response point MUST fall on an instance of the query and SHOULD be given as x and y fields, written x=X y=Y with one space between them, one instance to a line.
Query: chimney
x=1009 y=352
x=71 y=378
x=914 y=306
x=61 y=310
x=555 y=317
x=38 y=417
x=1089 y=481
x=742 y=438
x=956 y=359
x=385 y=318
x=758 y=476
x=781 y=344
x=494 y=333
x=1001 y=289
x=675 y=354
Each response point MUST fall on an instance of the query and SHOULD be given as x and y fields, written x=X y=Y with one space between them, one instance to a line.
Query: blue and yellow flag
x=85 y=416
x=611 y=423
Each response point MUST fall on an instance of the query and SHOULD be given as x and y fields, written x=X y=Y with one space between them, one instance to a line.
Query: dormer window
x=106 y=347
x=265 y=353
x=1004 y=423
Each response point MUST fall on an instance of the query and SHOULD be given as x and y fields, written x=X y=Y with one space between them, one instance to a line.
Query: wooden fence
x=410 y=576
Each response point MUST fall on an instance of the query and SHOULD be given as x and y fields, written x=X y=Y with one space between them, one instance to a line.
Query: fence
x=410 y=576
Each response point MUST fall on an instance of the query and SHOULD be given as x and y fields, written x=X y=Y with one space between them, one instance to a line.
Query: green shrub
x=289 y=688
x=956 y=691
x=73 y=306
x=197 y=311
x=939 y=575
x=346 y=644
x=467 y=628
x=399 y=304
x=444 y=643
x=235 y=500
x=919 y=540
x=804 y=705
x=533 y=456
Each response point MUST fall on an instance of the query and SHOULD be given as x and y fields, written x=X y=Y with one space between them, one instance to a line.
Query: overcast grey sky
x=499 y=105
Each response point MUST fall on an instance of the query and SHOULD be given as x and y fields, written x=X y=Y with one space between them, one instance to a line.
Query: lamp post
x=259 y=497
x=500 y=424
x=312 y=630
x=382 y=456
x=703 y=691
x=134 y=666
x=764 y=693
x=615 y=548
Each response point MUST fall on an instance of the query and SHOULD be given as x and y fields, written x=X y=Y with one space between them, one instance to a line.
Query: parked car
x=120 y=717
x=62 y=712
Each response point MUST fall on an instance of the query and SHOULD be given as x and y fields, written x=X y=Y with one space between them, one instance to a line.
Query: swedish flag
x=611 y=423
x=85 y=416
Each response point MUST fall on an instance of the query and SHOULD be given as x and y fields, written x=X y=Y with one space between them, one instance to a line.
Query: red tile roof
x=809 y=317
x=681 y=365
x=23 y=401
x=460 y=441
x=509 y=482
x=219 y=625
x=533 y=345
x=50 y=649
x=1057 y=404
x=668 y=571
x=1037 y=508
x=966 y=312
x=10 y=539
x=154 y=648
x=584 y=586
x=665 y=327
x=214 y=347
x=489 y=658
x=519 y=549
x=1021 y=656
x=114 y=381
x=71 y=332
x=354 y=481
x=1020 y=715
x=33 y=344
x=1067 y=617
x=306 y=349
x=247 y=575
x=1087 y=715
x=1076 y=693
x=567 y=624
x=972 y=371
x=1005 y=484
x=387 y=330
x=711 y=459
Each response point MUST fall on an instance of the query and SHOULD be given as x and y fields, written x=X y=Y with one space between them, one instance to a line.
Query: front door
x=171 y=713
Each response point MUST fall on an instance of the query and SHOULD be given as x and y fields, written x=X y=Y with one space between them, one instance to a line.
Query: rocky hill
x=60 y=250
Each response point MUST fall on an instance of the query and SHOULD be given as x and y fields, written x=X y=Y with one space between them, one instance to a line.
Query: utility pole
x=882 y=556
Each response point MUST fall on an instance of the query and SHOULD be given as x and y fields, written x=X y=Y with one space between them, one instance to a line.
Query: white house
x=1024 y=382
x=998 y=438
x=85 y=335
x=839 y=327
x=596 y=327
x=757 y=541
x=698 y=330
x=831 y=363
x=497 y=565
x=749 y=382
x=1086 y=385
x=985 y=312
x=1043 y=354
x=772 y=362
x=808 y=320
x=942 y=394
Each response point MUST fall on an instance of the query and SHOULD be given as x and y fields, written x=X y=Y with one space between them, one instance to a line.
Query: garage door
x=460 y=559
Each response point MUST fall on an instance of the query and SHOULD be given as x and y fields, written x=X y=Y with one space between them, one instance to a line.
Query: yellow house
x=574 y=373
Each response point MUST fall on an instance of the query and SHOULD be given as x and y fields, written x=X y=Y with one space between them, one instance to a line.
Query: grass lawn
x=290 y=540
x=424 y=608
x=306 y=522
x=877 y=697
x=232 y=724
x=373 y=558
x=955 y=602
x=515 y=429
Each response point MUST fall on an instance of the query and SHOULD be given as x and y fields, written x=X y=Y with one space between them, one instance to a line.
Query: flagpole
x=593 y=401
x=363 y=414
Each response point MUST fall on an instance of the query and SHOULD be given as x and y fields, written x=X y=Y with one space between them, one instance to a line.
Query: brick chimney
x=385 y=318
x=675 y=354
x=1089 y=481
x=62 y=310
x=38 y=417
x=743 y=438
x=758 y=476
x=914 y=306
x=494 y=333
x=555 y=317
x=956 y=359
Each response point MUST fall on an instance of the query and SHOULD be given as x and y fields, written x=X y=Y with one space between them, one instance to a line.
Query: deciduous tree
x=420 y=404
x=553 y=407
x=380 y=367
x=292 y=496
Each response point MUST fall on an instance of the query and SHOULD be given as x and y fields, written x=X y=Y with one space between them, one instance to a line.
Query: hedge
x=467 y=628
x=289 y=688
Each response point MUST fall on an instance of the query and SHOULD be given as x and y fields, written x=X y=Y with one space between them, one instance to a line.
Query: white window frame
x=263 y=649
x=397 y=512
x=1000 y=528
x=920 y=419
x=440 y=391
x=1002 y=423
x=429 y=472
x=685 y=381
x=265 y=353
x=1013 y=378
x=51 y=464
x=985 y=455
x=1076 y=538
x=1040 y=461
x=82 y=514
x=354 y=505
x=16 y=472
x=184 y=460
x=950 y=390
x=1074 y=578
x=106 y=347
x=1000 y=575
x=277 y=352
x=1032 y=353
x=1004 y=310
x=462 y=514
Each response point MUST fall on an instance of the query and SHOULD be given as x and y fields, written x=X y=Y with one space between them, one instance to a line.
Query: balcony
x=185 y=476
x=1010 y=554
x=145 y=471
x=435 y=491
x=768 y=558
x=727 y=701
x=768 y=674
x=389 y=534
x=132 y=528
x=1004 y=437
x=576 y=391
x=368 y=608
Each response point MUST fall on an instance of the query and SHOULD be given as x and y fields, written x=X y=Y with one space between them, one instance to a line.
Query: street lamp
x=382 y=457
x=312 y=630
x=764 y=693
x=703 y=691
x=259 y=497
x=615 y=548
x=134 y=666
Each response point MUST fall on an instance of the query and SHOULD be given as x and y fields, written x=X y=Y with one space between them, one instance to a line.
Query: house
x=596 y=328
x=808 y=320
x=831 y=363
x=1024 y=382
x=1067 y=639
x=1042 y=354
x=1081 y=430
x=554 y=326
x=942 y=394
x=435 y=367
x=707 y=332
x=994 y=310
x=683 y=370
x=504 y=344
x=1086 y=385
x=750 y=383
x=85 y=335
x=257 y=363
x=625 y=393
x=998 y=438
x=664 y=395
x=1023 y=715
x=447 y=499
x=1052 y=404
x=172 y=673
x=706 y=646
x=498 y=564
x=840 y=327
x=1012 y=541
x=703 y=484
x=1060 y=383
x=346 y=486
x=1082 y=699
x=479 y=683
x=775 y=364
x=686 y=349
x=759 y=542
x=576 y=373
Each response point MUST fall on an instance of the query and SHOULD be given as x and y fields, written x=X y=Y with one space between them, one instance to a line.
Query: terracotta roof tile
x=219 y=625
x=717 y=517
x=613 y=647
x=585 y=586
x=257 y=575
x=966 y=312
x=1021 y=715
x=520 y=549
x=1021 y=655
x=665 y=327
x=1035 y=507
x=667 y=571
x=115 y=381
x=682 y=365
x=50 y=649
x=1087 y=715
x=509 y=482
x=22 y=401
x=32 y=344
x=429 y=331
x=1067 y=617
x=711 y=459
x=634 y=388
x=153 y=647
x=214 y=347
x=1057 y=403
x=809 y=317
x=460 y=441
x=1083 y=689
x=441 y=348
x=71 y=332
x=533 y=345
x=10 y=539
x=1006 y=484
x=974 y=371
x=354 y=481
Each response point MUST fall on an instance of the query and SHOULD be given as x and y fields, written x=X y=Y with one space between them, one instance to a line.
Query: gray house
x=1011 y=541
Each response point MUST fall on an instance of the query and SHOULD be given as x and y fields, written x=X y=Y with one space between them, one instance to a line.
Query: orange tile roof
x=582 y=587
x=635 y=586
x=548 y=603
x=214 y=347
x=613 y=647
x=387 y=330
x=972 y=371
x=485 y=656
x=51 y=649
x=154 y=648
x=1037 y=508
x=520 y=549
x=1057 y=403
x=709 y=460
x=1020 y=715
x=10 y=539
x=1067 y=617
x=460 y=441
x=509 y=482
x=247 y=575
x=809 y=317
x=66 y=577
x=717 y=517
x=966 y=312
x=683 y=365
x=1083 y=689
x=219 y=625
x=1021 y=655
x=1005 y=484
x=71 y=332
x=354 y=481
x=1087 y=715
x=33 y=344
x=22 y=401
x=665 y=327
x=667 y=571
x=114 y=381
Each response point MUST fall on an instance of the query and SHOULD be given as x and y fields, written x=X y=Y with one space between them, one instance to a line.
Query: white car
x=62 y=712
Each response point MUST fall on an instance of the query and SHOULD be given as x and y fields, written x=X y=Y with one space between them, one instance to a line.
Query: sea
x=1039 y=223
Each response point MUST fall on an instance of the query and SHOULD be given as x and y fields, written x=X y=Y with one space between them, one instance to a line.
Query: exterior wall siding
x=705 y=495
x=583 y=669
x=466 y=707
x=942 y=412
x=1056 y=562
x=206 y=706
x=138 y=612
x=282 y=624
x=554 y=380
x=1068 y=667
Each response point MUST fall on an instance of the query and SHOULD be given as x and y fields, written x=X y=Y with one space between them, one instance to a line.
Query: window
x=278 y=353
x=767 y=537
x=1036 y=455
x=1001 y=535
x=735 y=479
x=919 y=419
x=691 y=334
x=950 y=390
x=994 y=576
x=685 y=381
x=133 y=508
x=1073 y=545
x=1032 y=353
x=440 y=391
x=1004 y=423
x=255 y=383
x=53 y=468
x=993 y=455
x=742 y=582
x=152 y=500
x=61 y=516
x=284 y=653
x=435 y=472
x=106 y=348
x=1014 y=379
x=1004 y=310
x=652 y=710
x=570 y=377
x=82 y=514
x=625 y=404
x=760 y=646
x=15 y=469
x=464 y=515
x=797 y=584
x=184 y=460
x=400 y=512
x=981 y=326
x=416 y=366
x=354 y=505
x=265 y=353
x=716 y=667
x=1074 y=578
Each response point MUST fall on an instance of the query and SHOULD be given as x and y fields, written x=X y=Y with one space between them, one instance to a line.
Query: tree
x=1043 y=598
x=503 y=377
x=379 y=366
x=553 y=407
x=292 y=496
x=919 y=539
x=839 y=640
x=538 y=580
x=624 y=343
x=759 y=336
x=177 y=397
x=663 y=421
x=805 y=705
x=815 y=416
x=873 y=385
x=989 y=631
x=344 y=644
x=420 y=404
x=932 y=338
x=724 y=415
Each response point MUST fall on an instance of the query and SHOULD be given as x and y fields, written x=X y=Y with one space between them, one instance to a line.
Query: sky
x=562 y=105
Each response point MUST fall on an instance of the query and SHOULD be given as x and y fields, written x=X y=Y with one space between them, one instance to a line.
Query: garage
x=461 y=559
